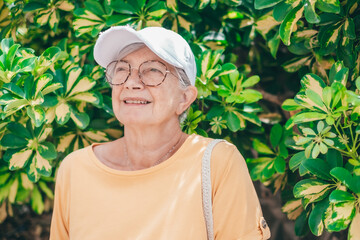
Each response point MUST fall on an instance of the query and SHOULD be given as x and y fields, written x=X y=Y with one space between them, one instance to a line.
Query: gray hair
x=183 y=78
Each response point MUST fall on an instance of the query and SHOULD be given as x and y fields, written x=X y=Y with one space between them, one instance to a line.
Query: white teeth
x=135 y=102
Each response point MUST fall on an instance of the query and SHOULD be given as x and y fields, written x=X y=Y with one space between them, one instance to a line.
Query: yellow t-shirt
x=93 y=201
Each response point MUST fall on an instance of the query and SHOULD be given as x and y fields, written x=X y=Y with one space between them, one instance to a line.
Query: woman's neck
x=146 y=147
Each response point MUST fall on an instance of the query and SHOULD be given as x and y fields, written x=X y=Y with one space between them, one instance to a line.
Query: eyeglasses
x=151 y=73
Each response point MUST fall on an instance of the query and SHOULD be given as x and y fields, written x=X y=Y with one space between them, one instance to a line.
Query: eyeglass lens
x=151 y=73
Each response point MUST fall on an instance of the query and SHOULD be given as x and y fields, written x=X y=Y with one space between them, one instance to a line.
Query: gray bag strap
x=206 y=188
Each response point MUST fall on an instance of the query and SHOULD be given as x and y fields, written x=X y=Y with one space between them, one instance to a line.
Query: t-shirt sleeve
x=59 y=229
x=236 y=209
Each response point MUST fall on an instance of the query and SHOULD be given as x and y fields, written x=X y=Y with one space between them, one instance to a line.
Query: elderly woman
x=147 y=185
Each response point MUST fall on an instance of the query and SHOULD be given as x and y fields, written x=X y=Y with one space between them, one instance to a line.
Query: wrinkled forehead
x=139 y=53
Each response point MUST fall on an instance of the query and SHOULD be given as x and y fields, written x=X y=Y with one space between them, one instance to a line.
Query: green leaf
x=345 y=177
x=280 y=164
x=268 y=171
x=251 y=81
x=33 y=6
x=296 y=160
x=19 y=130
x=233 y=122
x=288 y=25
x=315 y=218
x=261 y=147
x=275 y=135
x=49 y=193
x=301 y=226
x=338 y=216
x=308 y=117
x=261 y=4
x=318 y=167
x=37 y=203
x=13 y=141
x=47 y=150
x=14 y=89
x=330 y=6
x=189 y=3
x=310 y=14
x=282 y=9
x=251 y=95
x=273 y=44
x=338 y=196
x=291 y=105
x=334 y=158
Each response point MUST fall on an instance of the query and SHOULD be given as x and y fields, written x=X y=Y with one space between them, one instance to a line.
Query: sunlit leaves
x=49 y=13
x=29 y=149
x=76 y=89
x=90 y=19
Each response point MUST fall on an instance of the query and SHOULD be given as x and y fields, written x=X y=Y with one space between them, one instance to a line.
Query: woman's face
x=135 y=103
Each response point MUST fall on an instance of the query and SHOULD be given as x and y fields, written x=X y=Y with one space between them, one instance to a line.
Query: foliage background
x=280 y=79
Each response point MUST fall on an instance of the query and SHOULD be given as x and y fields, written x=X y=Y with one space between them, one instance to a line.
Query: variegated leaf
x=37 y=114
x=51 y=88
x=72 y=77
x=265 y=23
x=86 y=97
x=289 y=23
x=43 y=166
x=83 y=85
x=354 y=230
x=19 y=159
x=54 y=20
x=16 y=104
x=293 y=209
x=65 y=5
x=44 y=134
x=13 y=190
x=308 y=187
x=313 y=82
x=96 y=136
x=43 y=17
x=42 y=82
x=81 y=120
x=50 y=115
x=64 y=142
x=338 y=216
x=330 y=37
x=25 y=182
x=62 y=113
x=295 y=64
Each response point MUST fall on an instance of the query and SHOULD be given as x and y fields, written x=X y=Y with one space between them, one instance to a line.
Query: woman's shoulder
x=76 y=158
x=222 y=146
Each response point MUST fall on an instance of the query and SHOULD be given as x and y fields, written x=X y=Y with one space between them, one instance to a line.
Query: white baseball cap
x=166 y=44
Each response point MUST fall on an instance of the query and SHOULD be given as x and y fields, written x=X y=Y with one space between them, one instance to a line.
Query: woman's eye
x=121 y=69
x=154 y=70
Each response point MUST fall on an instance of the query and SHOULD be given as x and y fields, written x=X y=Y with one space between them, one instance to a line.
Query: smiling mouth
x=136 y=102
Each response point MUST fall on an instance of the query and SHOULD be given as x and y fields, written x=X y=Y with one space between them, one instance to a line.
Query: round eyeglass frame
x=139 y=74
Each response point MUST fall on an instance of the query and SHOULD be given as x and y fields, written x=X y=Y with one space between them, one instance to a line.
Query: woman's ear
x=188 y=97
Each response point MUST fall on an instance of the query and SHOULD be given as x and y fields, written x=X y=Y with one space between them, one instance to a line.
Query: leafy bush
x=251 y=56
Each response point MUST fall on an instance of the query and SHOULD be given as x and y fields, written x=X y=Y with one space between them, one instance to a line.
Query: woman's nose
x=134 y=81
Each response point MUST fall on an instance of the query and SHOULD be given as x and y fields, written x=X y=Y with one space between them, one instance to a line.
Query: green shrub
x=251 y=56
